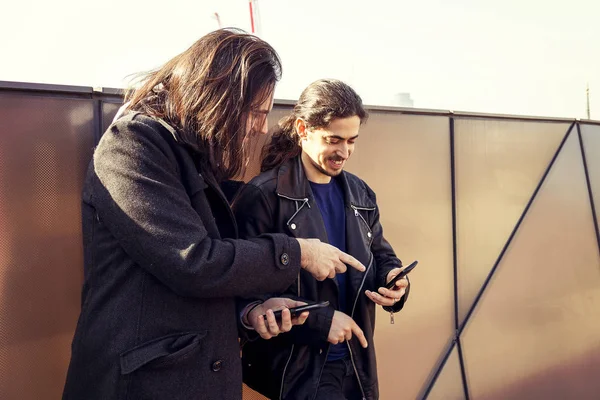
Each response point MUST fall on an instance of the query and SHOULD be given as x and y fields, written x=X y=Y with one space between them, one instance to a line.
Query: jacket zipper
x=283 y=374
x=352 y=316
x=304 y=203
x=356 y=208
x=356 y=372
x=357 y=214
x=291 y=353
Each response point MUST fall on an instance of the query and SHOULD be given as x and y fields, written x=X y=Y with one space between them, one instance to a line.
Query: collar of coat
x=293 y=183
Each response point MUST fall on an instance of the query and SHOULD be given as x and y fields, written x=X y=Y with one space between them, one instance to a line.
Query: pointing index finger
x=360 y=335
x=353 y=262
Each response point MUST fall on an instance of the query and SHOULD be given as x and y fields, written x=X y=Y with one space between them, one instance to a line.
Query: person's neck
x=312 y=173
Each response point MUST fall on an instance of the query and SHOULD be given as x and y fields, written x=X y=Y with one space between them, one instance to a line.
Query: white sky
x=530 y=57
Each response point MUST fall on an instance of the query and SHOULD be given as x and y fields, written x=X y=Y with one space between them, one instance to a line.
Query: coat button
x=320 y=351
x=369 y=234
x=217 y=365
x=293 y=226
x=285 y=259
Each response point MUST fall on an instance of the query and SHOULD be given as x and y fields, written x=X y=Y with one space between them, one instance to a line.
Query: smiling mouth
x=337 y=161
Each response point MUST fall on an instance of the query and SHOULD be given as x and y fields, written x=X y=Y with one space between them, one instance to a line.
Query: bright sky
x=529 y=57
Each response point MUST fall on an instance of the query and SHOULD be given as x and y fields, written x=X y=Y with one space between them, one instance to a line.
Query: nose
x=265 y=127
x=344 y=151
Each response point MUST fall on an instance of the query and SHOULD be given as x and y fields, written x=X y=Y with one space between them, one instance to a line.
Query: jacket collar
x=123 y=112
x=293 y=183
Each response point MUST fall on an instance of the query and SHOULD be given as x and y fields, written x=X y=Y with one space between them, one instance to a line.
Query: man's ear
x=301 y=128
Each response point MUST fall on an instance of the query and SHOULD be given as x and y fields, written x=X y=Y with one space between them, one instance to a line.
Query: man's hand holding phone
x=395 y=288
x=278 y=315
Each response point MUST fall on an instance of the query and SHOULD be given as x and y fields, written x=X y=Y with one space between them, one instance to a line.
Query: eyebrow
x=339 y=137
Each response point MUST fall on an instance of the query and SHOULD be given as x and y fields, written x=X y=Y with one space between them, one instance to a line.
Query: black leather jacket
x=280 y=200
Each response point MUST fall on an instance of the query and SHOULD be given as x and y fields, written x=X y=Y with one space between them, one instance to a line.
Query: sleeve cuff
x=400 y=304
x=244 y=314
x=287 y=251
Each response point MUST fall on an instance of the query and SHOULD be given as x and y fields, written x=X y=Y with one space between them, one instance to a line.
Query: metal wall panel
x=109 y=110
x=536 y=333
x=45 y=146
x=590 y=137
x=533 y=334
x=498 y=166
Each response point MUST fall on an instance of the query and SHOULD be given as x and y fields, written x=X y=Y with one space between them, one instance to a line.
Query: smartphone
x=296 y=311
x=401 y=275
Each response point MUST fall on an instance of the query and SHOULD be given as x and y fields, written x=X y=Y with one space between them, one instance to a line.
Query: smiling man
x=305 y=192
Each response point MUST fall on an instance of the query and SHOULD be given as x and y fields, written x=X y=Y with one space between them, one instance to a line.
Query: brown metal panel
x=45 y=145
x=591 y=143
x=536 y=333
x=249 y=394
x=448 y=385
x=498 y=166
x=108 y=112
x=406 y=160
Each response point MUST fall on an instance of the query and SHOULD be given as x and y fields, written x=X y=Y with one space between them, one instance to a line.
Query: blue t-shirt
x=330 y=199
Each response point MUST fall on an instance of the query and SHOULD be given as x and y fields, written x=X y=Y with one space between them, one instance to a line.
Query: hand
x=342 y=328
x=271 y=328
x=323 y=261
x=389 y=297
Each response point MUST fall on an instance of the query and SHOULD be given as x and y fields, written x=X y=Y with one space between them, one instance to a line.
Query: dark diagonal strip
x=589 y=186
x=439 y=369
x=463 y=374
x=516 y=228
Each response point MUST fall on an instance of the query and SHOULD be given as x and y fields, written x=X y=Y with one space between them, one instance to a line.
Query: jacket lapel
x=304 y=218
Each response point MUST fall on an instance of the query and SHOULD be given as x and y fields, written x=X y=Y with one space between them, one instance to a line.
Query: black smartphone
x=296 y=311
x=401 y=275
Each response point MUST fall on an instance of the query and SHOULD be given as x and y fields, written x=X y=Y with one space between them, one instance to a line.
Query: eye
x=332 y=141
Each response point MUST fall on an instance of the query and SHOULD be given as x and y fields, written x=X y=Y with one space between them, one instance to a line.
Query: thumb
x=292 y=303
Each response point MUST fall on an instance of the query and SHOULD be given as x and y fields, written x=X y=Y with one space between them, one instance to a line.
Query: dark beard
x=324 y=171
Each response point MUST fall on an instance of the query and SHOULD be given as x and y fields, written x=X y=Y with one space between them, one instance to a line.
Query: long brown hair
x=320 y=103
x=207 y=93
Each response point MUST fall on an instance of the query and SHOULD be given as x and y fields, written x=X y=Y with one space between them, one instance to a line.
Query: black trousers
x=338 y=381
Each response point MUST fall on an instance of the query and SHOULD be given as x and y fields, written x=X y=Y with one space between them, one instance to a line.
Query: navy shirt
x=330 y=199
